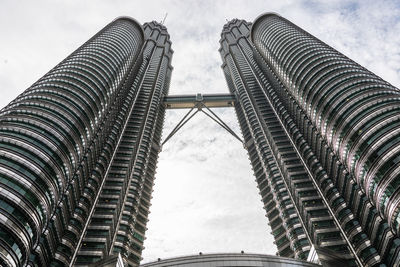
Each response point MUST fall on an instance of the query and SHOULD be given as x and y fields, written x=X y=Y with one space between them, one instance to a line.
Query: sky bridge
x=199 y=101
x=203 y=103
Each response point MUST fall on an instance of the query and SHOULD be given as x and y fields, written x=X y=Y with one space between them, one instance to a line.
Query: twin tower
x=78 y=149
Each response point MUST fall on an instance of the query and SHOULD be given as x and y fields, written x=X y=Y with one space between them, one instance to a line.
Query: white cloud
x=205 y=197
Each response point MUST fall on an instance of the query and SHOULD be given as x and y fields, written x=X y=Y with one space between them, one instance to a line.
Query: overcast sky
x=205 y=197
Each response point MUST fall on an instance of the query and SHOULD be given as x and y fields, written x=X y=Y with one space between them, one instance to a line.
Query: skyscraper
x=322 y=135
x=78 y=151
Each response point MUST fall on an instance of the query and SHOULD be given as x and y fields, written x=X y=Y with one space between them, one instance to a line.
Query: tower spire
x=165 y=17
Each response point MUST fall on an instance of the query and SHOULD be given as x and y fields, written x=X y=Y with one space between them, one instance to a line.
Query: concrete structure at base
x=230 y=259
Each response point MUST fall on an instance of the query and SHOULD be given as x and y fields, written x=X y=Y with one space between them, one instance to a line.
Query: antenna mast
x=165 y=17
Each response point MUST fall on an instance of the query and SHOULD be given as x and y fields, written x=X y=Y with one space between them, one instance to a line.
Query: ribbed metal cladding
x=288 y=174
x=118 y=222
x=50 y=138
x=273 y=190
x=349 y=117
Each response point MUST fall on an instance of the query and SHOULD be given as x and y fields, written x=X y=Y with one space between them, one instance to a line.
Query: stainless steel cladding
x=119 y=218
x=62 y=140
x=321 y=132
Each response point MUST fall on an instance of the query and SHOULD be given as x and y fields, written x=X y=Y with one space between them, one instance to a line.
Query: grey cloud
x=190 y=195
